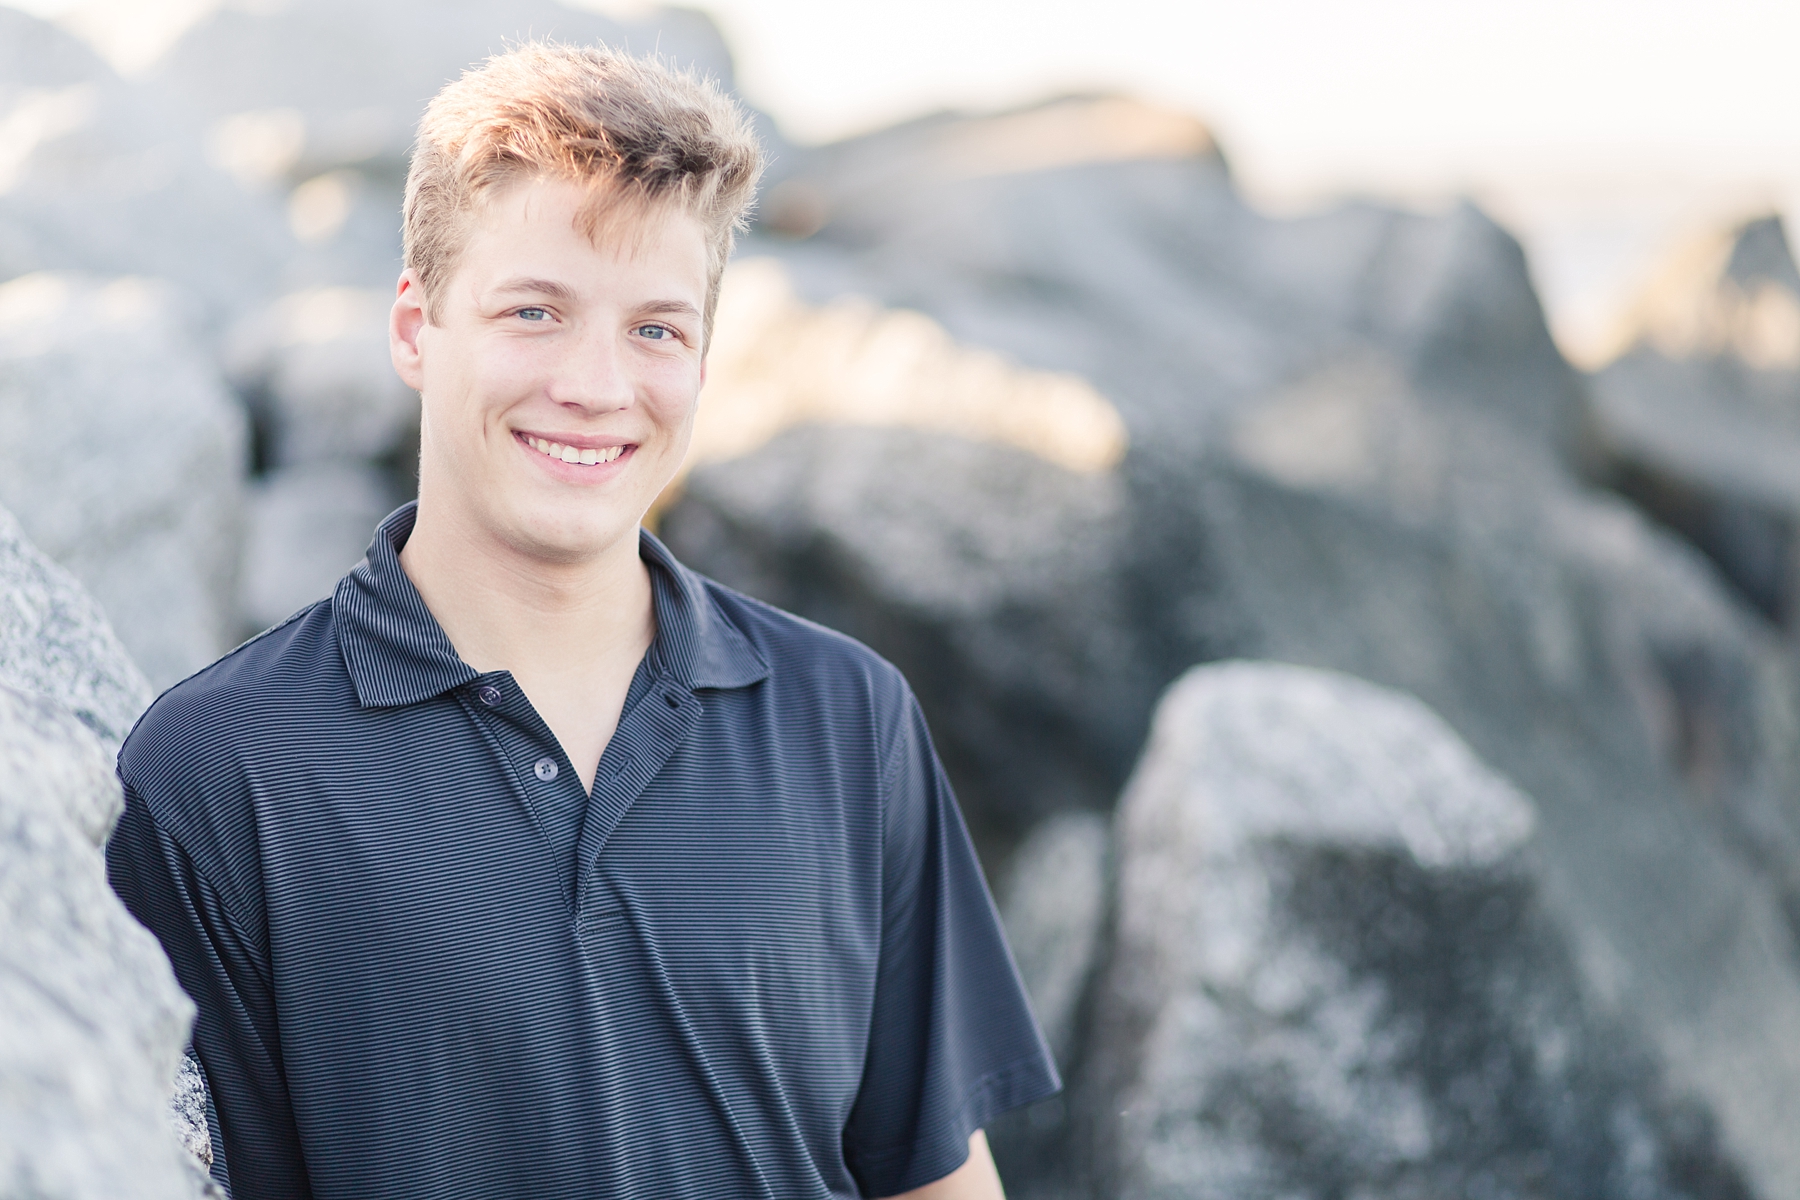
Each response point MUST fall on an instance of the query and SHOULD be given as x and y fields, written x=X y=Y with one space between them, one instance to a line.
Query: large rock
x=55 y=642
x=987 y=573
x=1333 y=974
x=1351 y=442
x=359 y=76
x=97 y=174
x=92 y=1023
x=1103 y=237
x=337 y=438
x=1698 y=421
x=122 y=454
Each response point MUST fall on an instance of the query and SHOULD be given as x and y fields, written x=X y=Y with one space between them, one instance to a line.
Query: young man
x=531 y=863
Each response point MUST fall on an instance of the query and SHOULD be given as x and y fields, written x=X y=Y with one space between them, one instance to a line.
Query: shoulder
x=189 y=764
x=829 y=687
x=193 y=729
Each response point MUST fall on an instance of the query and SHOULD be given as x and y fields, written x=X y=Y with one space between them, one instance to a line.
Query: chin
x=565 y=534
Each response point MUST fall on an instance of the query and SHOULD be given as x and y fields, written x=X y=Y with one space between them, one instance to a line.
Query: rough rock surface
x=1698 y=421
x=92 y=1024
x=1333 y=974
x=775 y=362
x=1147 y=275
x=121 y=454
x=54 y=641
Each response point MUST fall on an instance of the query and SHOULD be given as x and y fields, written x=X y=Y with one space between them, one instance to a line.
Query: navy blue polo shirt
x=757 y=961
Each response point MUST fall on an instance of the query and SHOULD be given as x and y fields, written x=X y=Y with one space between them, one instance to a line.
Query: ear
x=405 y=320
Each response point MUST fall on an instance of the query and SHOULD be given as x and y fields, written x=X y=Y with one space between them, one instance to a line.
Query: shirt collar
x=397 y=653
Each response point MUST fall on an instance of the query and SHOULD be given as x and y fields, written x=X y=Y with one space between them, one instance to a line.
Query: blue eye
x=655 y=332
x=533 y=314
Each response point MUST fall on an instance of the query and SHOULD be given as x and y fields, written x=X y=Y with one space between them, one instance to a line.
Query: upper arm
x=976 y=1179
x=226 y=972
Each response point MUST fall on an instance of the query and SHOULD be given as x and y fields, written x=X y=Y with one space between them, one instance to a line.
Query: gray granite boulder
x=122 y=455
x=1333 y=974
x=92 y=1024
x=55 y=642
x=1104 y=237
x=989 y=575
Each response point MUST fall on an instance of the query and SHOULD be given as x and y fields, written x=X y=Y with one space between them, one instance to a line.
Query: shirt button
x=490 y=695
x=546 y=769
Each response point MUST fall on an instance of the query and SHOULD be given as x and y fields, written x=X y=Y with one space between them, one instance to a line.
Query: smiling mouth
x=589 y=457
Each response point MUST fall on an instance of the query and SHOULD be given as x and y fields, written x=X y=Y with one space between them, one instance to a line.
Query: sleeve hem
x=1026 y=1081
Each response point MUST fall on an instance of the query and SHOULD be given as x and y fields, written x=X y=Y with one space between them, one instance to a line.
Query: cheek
x=673 y=393
x=470 y=376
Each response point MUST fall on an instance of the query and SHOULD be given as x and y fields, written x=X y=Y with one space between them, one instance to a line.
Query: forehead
x=544 y=224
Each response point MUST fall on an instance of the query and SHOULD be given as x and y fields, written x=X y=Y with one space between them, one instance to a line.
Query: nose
x=594 y=375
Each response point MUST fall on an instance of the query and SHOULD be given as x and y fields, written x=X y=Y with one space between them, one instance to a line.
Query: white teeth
x=570 y=454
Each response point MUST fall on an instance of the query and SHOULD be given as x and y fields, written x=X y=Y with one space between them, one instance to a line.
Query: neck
x=506 y=610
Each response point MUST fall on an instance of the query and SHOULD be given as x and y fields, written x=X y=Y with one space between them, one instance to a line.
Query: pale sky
x=1601 y=131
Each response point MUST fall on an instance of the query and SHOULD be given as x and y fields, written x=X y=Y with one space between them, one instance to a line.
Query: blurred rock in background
x=105 y=176
x=122 y=453
x=336 y=437
x=1699 y=420
x=1353 y=445
x=1038 y=406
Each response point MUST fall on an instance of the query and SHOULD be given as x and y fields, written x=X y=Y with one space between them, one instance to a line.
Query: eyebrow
x=674 y=307
x=538 y=287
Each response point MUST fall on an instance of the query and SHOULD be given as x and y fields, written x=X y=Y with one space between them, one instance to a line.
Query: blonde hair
x=642 y=137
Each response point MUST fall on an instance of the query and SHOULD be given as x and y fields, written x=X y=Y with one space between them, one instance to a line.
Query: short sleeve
x=235 y=1032
x=952 y=1040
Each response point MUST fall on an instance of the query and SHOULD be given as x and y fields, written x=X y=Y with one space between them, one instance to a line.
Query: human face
x=560 y=378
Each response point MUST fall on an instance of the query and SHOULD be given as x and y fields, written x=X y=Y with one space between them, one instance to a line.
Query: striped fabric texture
x=758 y=960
